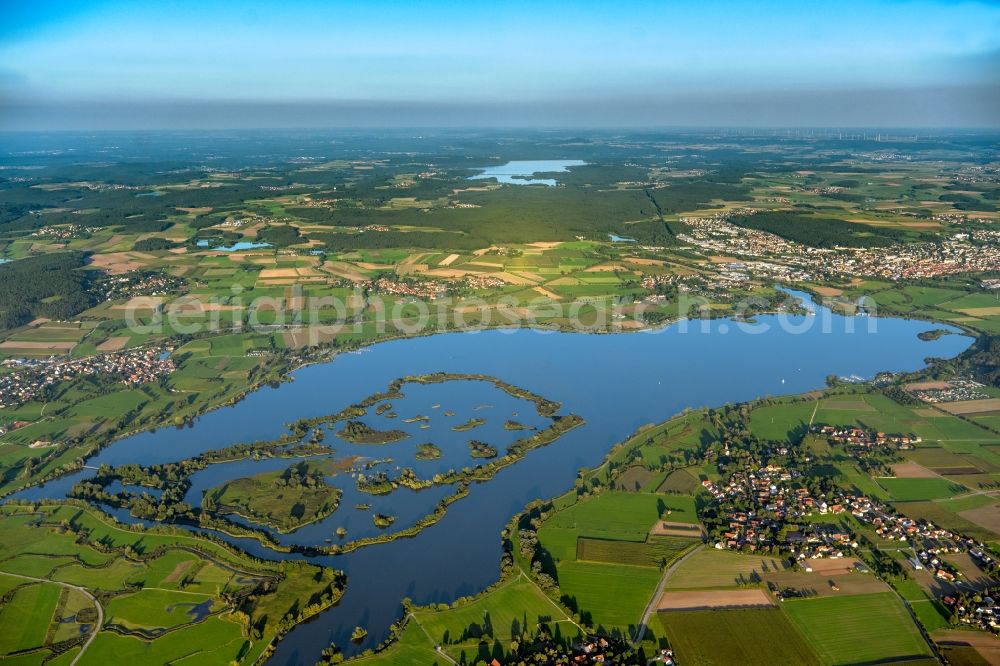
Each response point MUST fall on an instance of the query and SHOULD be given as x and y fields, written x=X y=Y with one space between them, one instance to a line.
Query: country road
x=100 y=610
x=651 y=606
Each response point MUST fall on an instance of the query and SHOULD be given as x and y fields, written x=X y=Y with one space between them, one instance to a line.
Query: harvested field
x=986 y=645
x=982 y=312
x=713 y=599
x=828 y=291
x=971 y=572
x=269 y=273
x=113 y=344
x=912 y=470
x=344 y=270
x=449 y=260
x=448 y=272
x=987 y=517
x=668 y=528
x=43 y=346
x=821 y=584
x=514 y=279
x=926 y=386
x=971 y=406
x=140 y=303
x=832 y=565
x=548 y=294
x=535 y=278
x=312 y=335
x=116 y=263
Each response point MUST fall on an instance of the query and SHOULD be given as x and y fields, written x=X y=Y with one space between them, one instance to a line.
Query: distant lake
x=616 y=382
x=519 y=172
x=615 y=238
x=235 y=247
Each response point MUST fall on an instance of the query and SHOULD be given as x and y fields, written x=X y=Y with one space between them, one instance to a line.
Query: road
x=651 y=606
x=100 y=610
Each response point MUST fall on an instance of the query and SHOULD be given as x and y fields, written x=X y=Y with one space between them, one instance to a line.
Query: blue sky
x=627 y=57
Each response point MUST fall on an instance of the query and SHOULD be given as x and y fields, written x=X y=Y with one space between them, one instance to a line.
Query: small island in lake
x=481 y=449
x=382 y=520
x=929 y=336
x=469 y=425
x=362 y=433
x=285 y=500
x=428 y=452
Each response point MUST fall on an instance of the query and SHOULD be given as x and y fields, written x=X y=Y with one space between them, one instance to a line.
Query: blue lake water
x=519 y=172
x=616 y=382
x=238 y=246
x=615 y=238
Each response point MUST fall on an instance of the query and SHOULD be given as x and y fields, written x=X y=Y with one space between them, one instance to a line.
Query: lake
x=238 y=246
x=616 y=382
x=519 y=172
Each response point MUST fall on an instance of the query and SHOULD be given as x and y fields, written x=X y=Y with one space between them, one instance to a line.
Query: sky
x=305 y=63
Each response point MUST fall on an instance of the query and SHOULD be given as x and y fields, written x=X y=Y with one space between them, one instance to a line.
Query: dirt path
x=84 y=592
x=654 y=601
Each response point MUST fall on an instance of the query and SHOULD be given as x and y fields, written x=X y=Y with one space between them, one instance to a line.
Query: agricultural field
x=168 y=595
x=711 y=568
x=752 y=637
x=915 y=489
x=606 y=562
x=857 y=629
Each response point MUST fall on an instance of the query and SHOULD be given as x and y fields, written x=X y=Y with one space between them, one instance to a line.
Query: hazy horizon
x=305 y=64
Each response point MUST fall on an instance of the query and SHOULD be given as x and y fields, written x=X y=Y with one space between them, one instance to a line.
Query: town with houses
x=768 y=509
x=975 y=251
x=31 y=378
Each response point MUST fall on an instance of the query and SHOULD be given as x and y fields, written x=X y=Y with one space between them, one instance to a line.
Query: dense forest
x=49 y=285
x=819 y=231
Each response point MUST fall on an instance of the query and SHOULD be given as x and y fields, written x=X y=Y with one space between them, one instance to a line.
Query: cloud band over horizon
x=181 y=64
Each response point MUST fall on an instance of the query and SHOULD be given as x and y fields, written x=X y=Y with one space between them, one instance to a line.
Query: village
x=142 y=284
x=424 y=289
x=860 y=438
x=980 y=610
x=768 y=509
x=32 y=378
x=975 y=251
